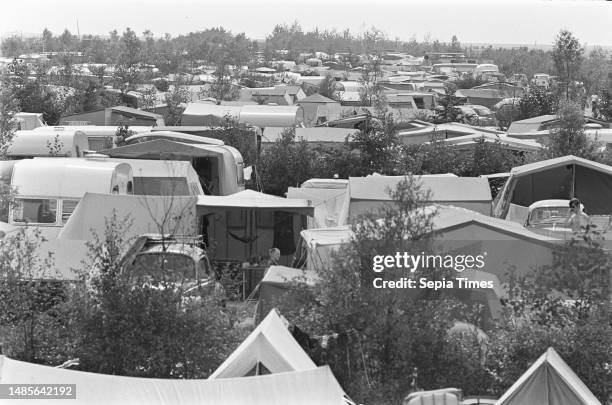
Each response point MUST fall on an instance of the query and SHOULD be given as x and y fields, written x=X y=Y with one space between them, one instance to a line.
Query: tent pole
x=573 y=186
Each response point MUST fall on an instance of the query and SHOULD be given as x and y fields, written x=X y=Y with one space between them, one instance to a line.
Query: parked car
x=548 y=214
x=159 y=260
x=477 y=114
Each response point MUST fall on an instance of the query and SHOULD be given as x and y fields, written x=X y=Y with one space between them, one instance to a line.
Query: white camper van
x=49 y=189
x=28 y=144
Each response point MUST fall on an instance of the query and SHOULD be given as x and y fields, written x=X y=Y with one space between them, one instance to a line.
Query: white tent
x=549 y=381
x=321 y=243
x=270 y=345
x=327 y=204
x=314 y=386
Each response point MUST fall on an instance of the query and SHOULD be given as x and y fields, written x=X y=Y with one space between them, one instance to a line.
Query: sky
x=473 y=21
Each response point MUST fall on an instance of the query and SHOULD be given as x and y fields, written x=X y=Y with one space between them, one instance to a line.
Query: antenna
x=78 y=31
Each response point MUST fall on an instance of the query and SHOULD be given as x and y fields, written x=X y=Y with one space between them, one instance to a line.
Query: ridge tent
x=270 y=345
x=313 y=386
x=549 y=381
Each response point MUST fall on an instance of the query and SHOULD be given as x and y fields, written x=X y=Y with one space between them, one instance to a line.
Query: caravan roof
x=91 y=130
x=172 y=136
x=66 y=177
x=47 y=143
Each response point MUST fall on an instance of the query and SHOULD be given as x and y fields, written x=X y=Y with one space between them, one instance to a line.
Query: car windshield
x=163 y=266
x=548 y=215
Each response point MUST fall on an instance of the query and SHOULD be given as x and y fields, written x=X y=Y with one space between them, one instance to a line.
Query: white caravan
x=49 y=189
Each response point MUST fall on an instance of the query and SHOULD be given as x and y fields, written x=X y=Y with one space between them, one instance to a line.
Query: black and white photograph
x=230 y=202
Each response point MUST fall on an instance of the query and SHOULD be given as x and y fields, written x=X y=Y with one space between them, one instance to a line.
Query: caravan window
x=68 y=207
x=98 y=143
x=38 y=211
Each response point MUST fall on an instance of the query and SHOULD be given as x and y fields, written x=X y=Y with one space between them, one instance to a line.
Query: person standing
x=577 y=219
x=275 y=255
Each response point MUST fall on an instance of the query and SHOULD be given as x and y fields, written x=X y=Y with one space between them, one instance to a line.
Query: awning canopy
x=253 y=200
x=163 y=149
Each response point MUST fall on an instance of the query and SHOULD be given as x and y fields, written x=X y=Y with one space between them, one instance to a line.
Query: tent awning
x=249 y=199
x=162 y=148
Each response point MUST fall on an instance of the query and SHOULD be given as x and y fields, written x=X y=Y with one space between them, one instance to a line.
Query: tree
x=567 y=55
x=285 y=164
x=32 y=95
x=570 y=138
x=223 y=88
x=371 y=91
x=535 y=102
x=594 y=71
x=446 y=111
x=603 y=107
x=506 y=115
x=66 y=39
x=47 y=38
x=455 y=44
x=327 y=88
x=175 y=100
x=126 y=69
x=377 y=146
x=148 y=99
x=29 y=304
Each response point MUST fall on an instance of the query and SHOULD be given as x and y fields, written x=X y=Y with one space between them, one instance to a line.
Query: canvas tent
x=549 y=381
x=319 y=245
x=269 y=347
x=278 y=283
x=327 y=203
x=145 y=212
x=313 y=386
x=458 y=230
x=249 y=223
x=559 y=178
x=506 y=243
x=367 y=194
